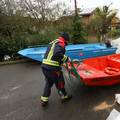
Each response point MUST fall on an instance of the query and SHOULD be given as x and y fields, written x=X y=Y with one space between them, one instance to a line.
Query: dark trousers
x=53 y=77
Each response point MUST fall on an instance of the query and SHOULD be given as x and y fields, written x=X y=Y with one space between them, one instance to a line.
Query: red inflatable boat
x=99 y=71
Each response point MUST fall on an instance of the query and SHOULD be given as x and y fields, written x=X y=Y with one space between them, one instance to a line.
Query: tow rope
x=73 y=69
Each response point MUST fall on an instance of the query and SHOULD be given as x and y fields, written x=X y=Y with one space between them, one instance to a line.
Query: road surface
x=22 y=84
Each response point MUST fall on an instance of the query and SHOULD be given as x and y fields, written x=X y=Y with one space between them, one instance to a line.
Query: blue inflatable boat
x=78 y=51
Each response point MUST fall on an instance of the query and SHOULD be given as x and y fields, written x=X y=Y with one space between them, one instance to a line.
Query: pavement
x=22 y=84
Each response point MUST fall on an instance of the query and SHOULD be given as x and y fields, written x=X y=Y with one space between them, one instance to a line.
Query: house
x=87 y=15
x=115 y=23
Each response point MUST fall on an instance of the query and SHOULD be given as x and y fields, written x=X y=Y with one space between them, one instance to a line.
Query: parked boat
x=79 y=51
x=99 y=71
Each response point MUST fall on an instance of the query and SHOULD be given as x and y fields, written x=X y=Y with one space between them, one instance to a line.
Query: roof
x=87 y=11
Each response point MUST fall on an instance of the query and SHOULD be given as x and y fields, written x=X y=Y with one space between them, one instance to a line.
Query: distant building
x=115 y=23
x=87 y=15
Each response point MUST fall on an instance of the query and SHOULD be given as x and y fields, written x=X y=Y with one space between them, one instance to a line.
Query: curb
x=13 y=62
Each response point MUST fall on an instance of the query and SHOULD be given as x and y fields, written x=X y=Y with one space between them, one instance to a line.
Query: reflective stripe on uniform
x=50 y=62
x=64 y=58
x=45 y=99
x=50 y=54
x=53 y=41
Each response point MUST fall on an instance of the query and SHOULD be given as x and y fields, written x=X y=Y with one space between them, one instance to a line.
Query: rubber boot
x=44 y=101
x=66 y=98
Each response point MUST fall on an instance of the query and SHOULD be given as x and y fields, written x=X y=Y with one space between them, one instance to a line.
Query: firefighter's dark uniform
x=51 y=67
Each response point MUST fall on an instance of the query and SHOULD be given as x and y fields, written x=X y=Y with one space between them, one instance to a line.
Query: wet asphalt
x=22 y=84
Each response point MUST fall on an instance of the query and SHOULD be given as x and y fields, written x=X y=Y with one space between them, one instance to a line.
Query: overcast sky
x=84 y=4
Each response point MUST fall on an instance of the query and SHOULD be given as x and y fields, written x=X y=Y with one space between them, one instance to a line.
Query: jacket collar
x=61 y=41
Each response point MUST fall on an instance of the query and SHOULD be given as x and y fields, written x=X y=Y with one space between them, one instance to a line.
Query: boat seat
x=114 y=62
x=111 y=70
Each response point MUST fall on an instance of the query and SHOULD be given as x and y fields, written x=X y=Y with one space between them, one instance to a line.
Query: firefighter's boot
x=66 y=98
x=44 y=101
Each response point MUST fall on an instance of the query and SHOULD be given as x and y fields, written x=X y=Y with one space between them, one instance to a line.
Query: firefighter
x=51 y=68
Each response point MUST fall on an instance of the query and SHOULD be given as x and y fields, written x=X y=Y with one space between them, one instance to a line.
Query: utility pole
x=76 y=12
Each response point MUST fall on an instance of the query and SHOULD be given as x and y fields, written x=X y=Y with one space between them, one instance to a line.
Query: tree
x=8 y=7
x=101 y=21
x=78 y=31
x=43 y=10
x=28 y=22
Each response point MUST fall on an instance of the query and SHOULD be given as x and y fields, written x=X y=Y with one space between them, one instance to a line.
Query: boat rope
x=73 y=70
x=69 y=79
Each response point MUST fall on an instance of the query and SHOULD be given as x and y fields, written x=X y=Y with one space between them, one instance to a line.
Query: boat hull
x=99 y=71
x=80 y=51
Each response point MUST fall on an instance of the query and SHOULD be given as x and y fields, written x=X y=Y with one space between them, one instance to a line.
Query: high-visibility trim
x=64 y=97
x=53 y=41
x=52 y=50
x=51 y=62
x=45 y=99
x=64 y=58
